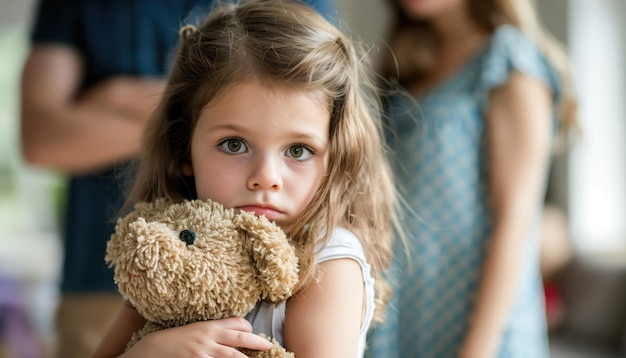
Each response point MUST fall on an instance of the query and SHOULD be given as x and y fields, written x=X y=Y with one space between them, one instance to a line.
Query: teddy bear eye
x=188 y=236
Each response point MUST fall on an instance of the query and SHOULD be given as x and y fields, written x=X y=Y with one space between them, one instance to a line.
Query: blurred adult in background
x=93 y=77
x=478 y=94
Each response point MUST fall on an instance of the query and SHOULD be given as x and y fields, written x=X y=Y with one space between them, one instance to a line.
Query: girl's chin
x=286 y=227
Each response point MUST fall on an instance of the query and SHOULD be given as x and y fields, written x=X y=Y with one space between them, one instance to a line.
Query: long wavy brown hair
x=413 y=45
x=288 y=45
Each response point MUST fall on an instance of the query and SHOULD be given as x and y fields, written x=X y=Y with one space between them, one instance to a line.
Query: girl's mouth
x=267 y=211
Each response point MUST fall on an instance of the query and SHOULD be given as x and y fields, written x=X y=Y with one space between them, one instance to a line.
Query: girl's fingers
x=247 y=340
x=235 y=323
x=237 y=332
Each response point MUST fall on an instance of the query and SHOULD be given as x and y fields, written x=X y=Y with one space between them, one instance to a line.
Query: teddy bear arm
x=277 y=351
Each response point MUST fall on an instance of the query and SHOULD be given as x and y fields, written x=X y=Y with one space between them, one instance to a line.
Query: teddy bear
x=182 y=262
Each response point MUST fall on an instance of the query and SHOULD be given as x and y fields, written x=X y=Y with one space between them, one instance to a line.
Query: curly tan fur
x=236 y=260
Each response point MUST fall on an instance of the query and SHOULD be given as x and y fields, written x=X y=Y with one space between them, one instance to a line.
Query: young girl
x=263 y=112
x=472 y=132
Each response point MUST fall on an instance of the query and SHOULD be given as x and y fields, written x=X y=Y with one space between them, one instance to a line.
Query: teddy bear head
x=183 y=262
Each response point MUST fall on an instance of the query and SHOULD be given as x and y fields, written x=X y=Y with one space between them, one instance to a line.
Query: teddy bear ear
x=116 y=241
x=115 y=244
x=274 y=257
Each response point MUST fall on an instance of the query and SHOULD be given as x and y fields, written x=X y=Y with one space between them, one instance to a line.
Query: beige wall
x=365 y=20
x=15 y=12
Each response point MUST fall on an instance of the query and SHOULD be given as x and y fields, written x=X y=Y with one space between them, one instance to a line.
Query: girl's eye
x=299 y=152
x=233 y=146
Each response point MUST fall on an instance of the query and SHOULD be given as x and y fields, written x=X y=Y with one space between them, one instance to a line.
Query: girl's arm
x=200 y=339
x=324 y=319
x=125 y=324
x=519 y=128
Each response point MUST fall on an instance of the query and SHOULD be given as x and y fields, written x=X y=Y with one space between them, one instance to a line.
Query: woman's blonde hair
x=287 y=45
x=413 y=45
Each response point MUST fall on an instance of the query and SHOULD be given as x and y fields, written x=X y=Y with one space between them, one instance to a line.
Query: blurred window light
x=597 y=171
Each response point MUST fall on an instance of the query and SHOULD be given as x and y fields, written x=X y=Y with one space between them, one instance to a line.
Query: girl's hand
x=214 y=339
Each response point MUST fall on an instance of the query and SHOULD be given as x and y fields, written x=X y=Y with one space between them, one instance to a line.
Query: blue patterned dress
x=440 y=159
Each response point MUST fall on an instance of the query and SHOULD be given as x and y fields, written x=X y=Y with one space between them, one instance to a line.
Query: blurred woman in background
x=478 y=93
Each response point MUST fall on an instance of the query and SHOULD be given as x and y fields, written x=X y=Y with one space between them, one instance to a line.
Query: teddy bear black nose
x=188 y=236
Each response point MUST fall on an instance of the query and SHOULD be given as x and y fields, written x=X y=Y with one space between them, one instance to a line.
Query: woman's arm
x=214 y=338
x=519 y=128
x=324 y=319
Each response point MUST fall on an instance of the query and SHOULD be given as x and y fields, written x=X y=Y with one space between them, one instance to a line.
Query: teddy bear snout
x=188 y=237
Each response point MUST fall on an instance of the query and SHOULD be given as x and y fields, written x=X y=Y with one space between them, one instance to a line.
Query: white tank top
x=270 y=319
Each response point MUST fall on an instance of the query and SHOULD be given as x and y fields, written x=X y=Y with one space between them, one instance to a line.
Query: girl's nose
x=265 y=175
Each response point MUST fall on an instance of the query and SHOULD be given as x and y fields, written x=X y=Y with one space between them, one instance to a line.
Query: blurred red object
x=555 y=308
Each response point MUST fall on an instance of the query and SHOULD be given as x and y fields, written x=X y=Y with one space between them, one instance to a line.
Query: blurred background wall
x=588 y=182
x=597 y=189
x=30 y=253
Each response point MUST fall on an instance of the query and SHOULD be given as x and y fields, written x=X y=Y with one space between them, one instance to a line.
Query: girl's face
x=429 y=9
x=261 y=149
